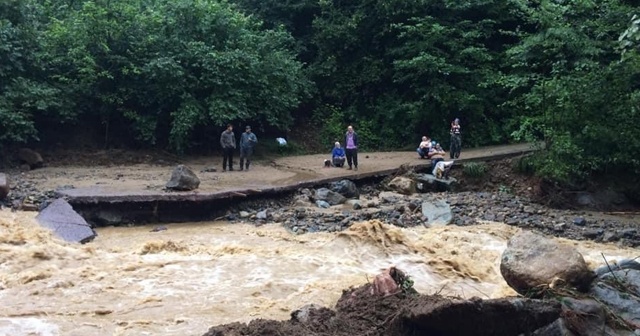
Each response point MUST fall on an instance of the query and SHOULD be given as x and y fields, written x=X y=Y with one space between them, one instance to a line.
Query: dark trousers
x=227 y=156
x=352 y=156
x=245 y=155
x=338 y=161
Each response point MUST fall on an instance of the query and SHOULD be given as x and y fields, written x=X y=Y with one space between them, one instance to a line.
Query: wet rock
x=403 y=185
x=580 y=221
x=389 y=197
x=593 y=233
x=345 y=188
x=108 y=218
x=586 y=317
x=557 y=328
x=438 y=212
x=4 y=186
x=620 y=291
x=262 y=214
x=355 y=204
x=481 y=317
x=331 y=197
x=65 y=223
x=183 y=179
x=30 y=157
x=532 y=262
x=323 y=204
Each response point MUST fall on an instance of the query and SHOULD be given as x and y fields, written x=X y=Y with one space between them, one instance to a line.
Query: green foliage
x=474 y=169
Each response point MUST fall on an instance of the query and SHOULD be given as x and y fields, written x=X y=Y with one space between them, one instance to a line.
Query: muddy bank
x=358 y=312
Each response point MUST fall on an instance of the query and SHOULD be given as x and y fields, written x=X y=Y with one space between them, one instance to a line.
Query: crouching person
x=441 y=168
x=424 y=147
x=338 y=156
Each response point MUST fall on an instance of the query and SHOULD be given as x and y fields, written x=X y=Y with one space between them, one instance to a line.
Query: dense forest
x=170 y=73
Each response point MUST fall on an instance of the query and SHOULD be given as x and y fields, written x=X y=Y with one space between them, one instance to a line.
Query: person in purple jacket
x=351 y=146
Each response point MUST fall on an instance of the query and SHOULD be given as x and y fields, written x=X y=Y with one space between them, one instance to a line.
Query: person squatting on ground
x=228 y=143
x=351 y=144
x=337 y=155
x=424 y=147
x=248 y=141
x=456 y=139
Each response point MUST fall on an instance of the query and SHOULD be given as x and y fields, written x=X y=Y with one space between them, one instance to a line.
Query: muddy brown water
x=130 y=281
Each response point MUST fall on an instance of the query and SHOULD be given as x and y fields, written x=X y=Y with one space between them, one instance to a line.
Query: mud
x=358 y=312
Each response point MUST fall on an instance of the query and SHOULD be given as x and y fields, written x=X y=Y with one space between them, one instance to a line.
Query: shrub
x=474 y=170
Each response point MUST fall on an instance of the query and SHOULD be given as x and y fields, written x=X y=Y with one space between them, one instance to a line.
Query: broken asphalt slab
x=67 y=224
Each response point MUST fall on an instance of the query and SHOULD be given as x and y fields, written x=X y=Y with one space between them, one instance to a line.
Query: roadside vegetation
x=169 y=74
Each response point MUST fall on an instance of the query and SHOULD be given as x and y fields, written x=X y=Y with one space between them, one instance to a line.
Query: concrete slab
x=67 y=224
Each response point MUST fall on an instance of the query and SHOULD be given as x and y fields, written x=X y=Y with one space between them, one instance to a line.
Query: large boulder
x=437 y=213
x=30 y=157
x=331 y=197
x=183 y=179
x=403 y=185
x=65 y=223
x=345 y=188
x=532 y=262
x=4 y=186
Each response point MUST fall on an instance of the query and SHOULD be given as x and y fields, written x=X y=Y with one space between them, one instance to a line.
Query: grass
x=474 y=169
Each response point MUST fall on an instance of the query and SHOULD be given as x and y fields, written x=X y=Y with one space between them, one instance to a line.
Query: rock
x=262 y=214
x=244 y=214
x=403 y=185
x=586 y=317
x=4 y=186
x=389 y=197
x=322 y=204
x=108 y=218
x=557 y=328
x=159 y=228
x=30 y=157
x=355 y=204
x=428 y=182
x=306 y=314
x=438 y=213
x=331 y=197
x=183 y=179
x=593 y=234
x=209 y=170
x=585 y=199
x=620 y=291
x=580 y=221
x=67 y=224
x=532 y=262
x=512 y=316
x=345 y=188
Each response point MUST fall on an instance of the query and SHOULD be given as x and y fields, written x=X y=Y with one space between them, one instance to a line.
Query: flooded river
x=130 y=281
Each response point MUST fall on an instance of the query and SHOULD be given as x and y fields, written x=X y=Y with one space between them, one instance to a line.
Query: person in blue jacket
x=337 y=155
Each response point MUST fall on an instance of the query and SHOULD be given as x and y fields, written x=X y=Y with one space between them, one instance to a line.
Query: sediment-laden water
x=130 y=281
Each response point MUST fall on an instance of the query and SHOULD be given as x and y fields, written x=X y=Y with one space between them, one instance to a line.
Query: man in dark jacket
x=351 y=146
x=247 y=141
x=228 y=143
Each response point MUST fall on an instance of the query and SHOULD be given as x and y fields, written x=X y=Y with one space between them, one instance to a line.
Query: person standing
x=247 y=141
x=228 y=143
x=456 y=139
x=351 y=148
